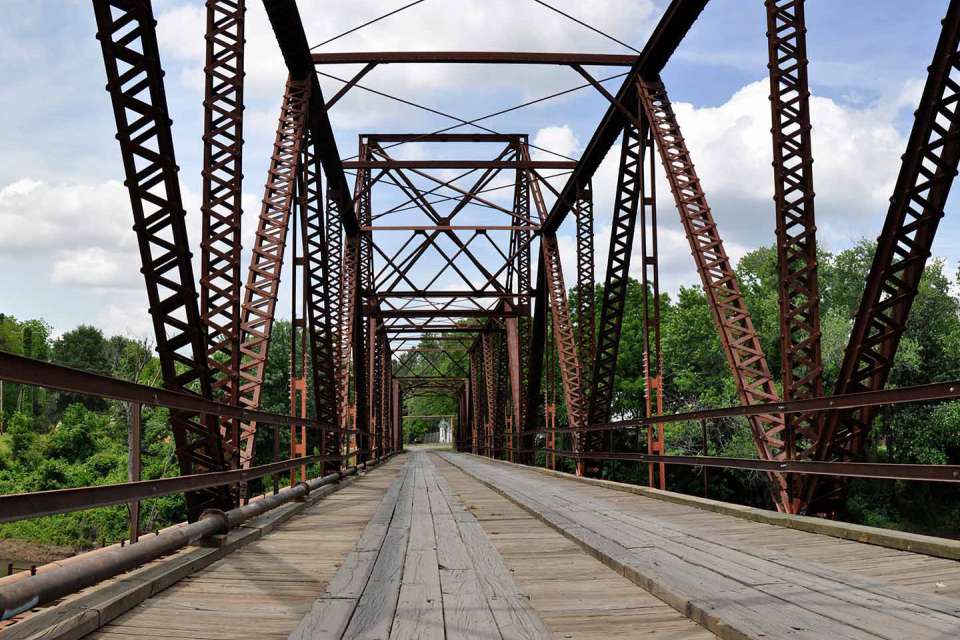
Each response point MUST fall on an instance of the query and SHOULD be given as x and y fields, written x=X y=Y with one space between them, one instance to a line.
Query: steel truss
x=617 y=278
x=920 y=194
x=799 y=294
x=222 y=178
x=128 y=40
x=739 y=339
x=266 y=262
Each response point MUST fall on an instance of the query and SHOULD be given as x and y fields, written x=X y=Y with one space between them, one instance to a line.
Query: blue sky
x=67 y=251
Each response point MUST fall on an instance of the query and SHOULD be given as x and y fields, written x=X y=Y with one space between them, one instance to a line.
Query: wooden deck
x=437 y=546
x=741 y=578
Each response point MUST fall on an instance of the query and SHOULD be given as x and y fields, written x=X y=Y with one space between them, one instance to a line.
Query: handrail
x=22 y=370
x=19 y=506
x=919 y=393
x=47 y=586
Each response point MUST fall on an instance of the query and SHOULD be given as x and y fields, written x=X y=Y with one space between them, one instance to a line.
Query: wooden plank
x=466 y=613
x=722 y=587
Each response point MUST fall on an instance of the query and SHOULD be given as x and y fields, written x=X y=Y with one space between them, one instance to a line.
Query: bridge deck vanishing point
x=440 y=545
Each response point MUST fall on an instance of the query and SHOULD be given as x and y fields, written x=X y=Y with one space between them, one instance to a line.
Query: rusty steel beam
x=288 y=28
x=221 y=207
x=740 y=341
x=586 y=306
x=920 y=194
x=128 y=40
x=459 y=164
x=617 y=278
x=266 y=262
x=444 y=137
x=650 y=286
x=321 y=312
x=474 y=57
x=676 y=21
x=799 y=295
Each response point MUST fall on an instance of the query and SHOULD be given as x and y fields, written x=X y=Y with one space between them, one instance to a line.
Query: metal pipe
x=47 y=586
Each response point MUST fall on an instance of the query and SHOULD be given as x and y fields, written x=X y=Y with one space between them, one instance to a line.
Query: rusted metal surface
x=128 y=40
x=220 y=205
x=321 y=312
x=799 y=294
x=740 y=342
x=21 y=370
x=650 y=308
x=923 y=185
x=613 y=305
x=266 y=261
x=474 y=57
x=586 y=308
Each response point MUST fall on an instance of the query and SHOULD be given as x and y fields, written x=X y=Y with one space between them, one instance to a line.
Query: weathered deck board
x=576 y=596
x=732 y=574
x=408 y=593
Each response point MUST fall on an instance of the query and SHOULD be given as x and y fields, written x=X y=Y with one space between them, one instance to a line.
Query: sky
x=67 y=249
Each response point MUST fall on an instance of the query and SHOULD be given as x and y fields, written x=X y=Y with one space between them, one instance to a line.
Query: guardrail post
x=134 y=448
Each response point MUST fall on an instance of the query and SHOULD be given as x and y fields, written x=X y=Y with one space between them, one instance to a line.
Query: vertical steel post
x=221 y=206
x=134 y=449
x=799 y=294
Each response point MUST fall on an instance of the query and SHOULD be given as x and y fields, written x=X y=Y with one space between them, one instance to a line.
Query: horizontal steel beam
x=442 y=313
x=447 y=227
x=444 y=137
x=22 y=370
x=903 y=395
x=459 y=164
x=19 y=506
x=874 y=470
x=475 y=57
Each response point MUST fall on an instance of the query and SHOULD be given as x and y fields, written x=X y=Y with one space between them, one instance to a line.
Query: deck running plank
x=576 y=595
x=406 y=591
x=737 y=578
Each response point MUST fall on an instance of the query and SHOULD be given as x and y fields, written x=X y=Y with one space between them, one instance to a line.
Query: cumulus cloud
x=95 y=267
x=38 y=215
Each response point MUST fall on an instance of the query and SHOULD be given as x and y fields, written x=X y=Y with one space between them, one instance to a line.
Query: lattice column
x=128 y=39
x=650 y=283
x=737 y=335
x=320 y=308
x=221 y=207
x=586 y=311
x=796 y=228
x=266 y=263
x=616 y=280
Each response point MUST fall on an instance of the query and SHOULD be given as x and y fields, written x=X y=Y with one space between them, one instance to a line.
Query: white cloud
x=39 y=215
x=95 y=267
x=559 y=139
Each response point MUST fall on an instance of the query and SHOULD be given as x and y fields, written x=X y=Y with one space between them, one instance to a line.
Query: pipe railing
x=933 y=392
x=88 y=569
